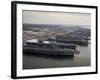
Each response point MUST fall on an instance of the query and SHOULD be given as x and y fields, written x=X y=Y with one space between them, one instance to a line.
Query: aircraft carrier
x=52 y=48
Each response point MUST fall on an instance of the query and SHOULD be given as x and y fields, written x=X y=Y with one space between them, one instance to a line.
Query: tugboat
x=49 y=47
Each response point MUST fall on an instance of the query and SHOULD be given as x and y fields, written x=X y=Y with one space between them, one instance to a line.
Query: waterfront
x=36 y=61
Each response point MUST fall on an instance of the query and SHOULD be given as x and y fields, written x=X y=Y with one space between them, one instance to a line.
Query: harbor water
x=37 y=61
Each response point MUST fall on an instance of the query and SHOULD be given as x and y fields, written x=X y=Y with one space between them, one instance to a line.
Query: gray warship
x=50 y=47
x=71 y=41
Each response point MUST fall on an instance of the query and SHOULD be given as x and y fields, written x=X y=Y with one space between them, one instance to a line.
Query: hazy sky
x=41 y=17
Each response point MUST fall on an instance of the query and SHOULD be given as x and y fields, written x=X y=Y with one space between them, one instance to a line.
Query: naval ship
x=71 y=39
x=50 y=47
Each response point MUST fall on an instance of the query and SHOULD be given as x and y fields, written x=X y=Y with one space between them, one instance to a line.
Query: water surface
x=36 y=61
